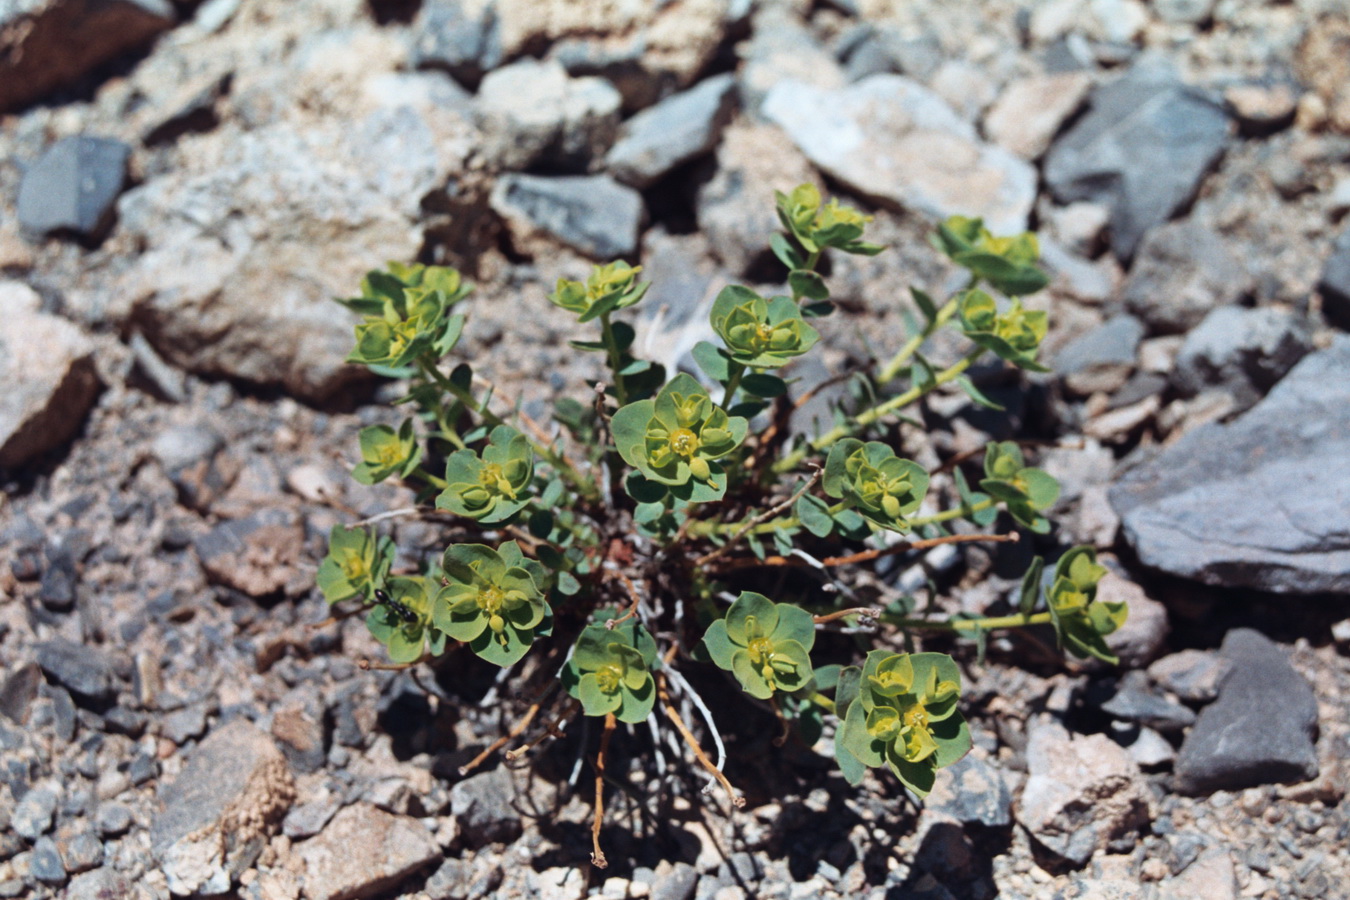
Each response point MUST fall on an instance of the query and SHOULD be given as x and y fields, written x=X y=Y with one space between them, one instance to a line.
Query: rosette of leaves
x=881 y=486
x=1024 y=490
x=608 y=288
x=611 y=671
x=489 y=487
x=676 y=438
x=1007 y=263
x=904 y=717
x=760 y=333
x=816 y=225
x=766 y=645
x=493 y=600
x=402 y=621
x=356 y=564
x=406 y=314
x=386 y=452
x=1081 y=620
x=1014 y=335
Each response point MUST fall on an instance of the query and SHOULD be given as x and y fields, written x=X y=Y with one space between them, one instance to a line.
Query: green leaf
x=762 y=384
x=718 y=644
x=644 y=490
x=925 y=304
x=713 y=361
x=814 y=514
x=1031 y=586
x=976 y=394
x=805 y=283
x=785 y=252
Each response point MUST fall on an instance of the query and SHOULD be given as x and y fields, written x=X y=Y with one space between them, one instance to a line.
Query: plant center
x=684 y=442
x=609 y=677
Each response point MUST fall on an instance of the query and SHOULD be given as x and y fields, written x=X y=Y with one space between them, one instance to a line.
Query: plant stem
x=987 y=623
x=901 y=358
x=736 y=372
x=868 y=416
x=821 y=700
x=615 y=358
x=433 y=480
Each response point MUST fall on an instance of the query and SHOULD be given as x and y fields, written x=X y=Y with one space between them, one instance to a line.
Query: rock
x=258 y=555
x=1030 y=111
x=49 y=364
x=1243 y=351
x=82 y=852
x=219 y=812
x=32 y=815
x=973 y=791
x=1141 y=149
x=1144 y=634
x=674 y=313
x=483 y=806
x=100 y=884
x=300 y=736
x=364 y=851
x=1320 y=63
x=1260 y=109
x=590 y=213
x=218 y=237
x=1260 y=730
x=678 y=884
x=680 y=128
x=19 y=690
x=1205 y=506
x=1185 y=12
x=534 y=113
x=48 y=44
x=1183 y=271
x=85 y=671
x=1100 y=361
x=1212 y=877
x=114 y=819
x=308 y=818
x=1334 y=283
x=183 y=725
x=1134 y=701
x=46 y=865
x=72 y=187
x=1081 y=794
x=735 y=207
x=1151 y=750
x=781 y=48
x=966 y=88
x=895 y=142
x=458 y=36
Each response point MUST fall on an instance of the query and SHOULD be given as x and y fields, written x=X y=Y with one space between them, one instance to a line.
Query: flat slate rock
x=590 y=213
x=1261 y=729
x=85 y=671
x=896 y=142
x=674 y=131
x=1141 y=149
x=1260 y=502
x=71 y=188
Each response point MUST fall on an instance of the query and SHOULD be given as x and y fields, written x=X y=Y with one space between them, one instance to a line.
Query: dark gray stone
x=33 y=813
x=1114 y=343
x=674 y=131
x=483 y=805
x=1193 y=675
x=307 y=819
x=465 y=43
x=975 y=793
x=18 y=691
x=1142 y=149
x=590 y=213
x=181 y=446
x=1258 y=502
x=679 y=884
x=533 y=113
x=184 y=724
x=114 y=819
x=85 y=671
x=121 y=720
x=1334 y=284
x=1182 y=272
x=45 y=864
x=72 y=187
x=1242 y=351
x=1261 y=729
x=1135 y=702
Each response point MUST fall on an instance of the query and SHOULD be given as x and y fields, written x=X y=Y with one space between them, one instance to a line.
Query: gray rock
x=257 y=555
x=1082 y=793
x=1151 y=750
x=72 y=187
x=1134 y=701
x=680 y=128
x=19 y=690
x=33 y=813
x=533 y=112
x=1334 y=283
x=82 y=852
x=1185 y=12
x=48 y=44
x=1183 y=271
x=973 y=791
x=114 y=819
x=301 y=737
x=184 y=725
x=46 y=865
x=896 y=142
x=483 y=805
x=180 y=446
x=1193 y=675
x=590 y=213
x=100 y=884
x=678 y=884
x=460 y=38
x=49 y=364
x=1261 y=729
x=364 y=851
x=675 y=309
x=1242 y=351
x=1031 y=111
x=308 y=819
x=1141 y=149
x=782 y=49
x=218 y=814
x=1254 y=502
x=1101 y=360
x=1144 y=634
x=83 y=670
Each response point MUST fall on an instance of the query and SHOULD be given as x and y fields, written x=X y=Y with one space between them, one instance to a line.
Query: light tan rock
x=364 y=851
x=1030 y=111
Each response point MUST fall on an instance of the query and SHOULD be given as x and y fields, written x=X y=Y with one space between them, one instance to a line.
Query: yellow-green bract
x=356 y=564
x=873 y=480
x=1081 y=620
x=1014 y=335
x=1024 y=490
x=493 y=600
x=492 y=487
x=904 y=717
x=1007 y=263
x=766 y=645
x=386 y=452
x=608 y=288
x=403 y=624
x=406 y=314
x=760 y=333
x=611 y=671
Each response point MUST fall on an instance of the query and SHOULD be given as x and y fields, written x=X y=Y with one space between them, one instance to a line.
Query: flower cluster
x=608 y=288
x=406 y=314
x=760 y=333
x=386 y=452
x=766 y=645
x=401 y=620
x=489 y=487
x=870 y=478
x=492 y=600
x=1014 y=335
x=356 y=564
x=1024 y=490
x=1007 y=263
x=611 y=671
x=1081 y=620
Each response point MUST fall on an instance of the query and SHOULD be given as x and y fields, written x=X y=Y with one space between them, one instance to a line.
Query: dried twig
x=611 y=624
x=867 y=612
x=736 y=799
x=758 y=520
x=597 y=855
x=741 y=562
x=502 y=741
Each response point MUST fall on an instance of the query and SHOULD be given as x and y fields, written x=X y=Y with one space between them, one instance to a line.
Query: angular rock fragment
x=1241 y=351
x=533 y=112
x=259 y=555
x=674 y=131
x=459 y=36
x=1030 y=111
x=364 y=851
x=590 y=213
x=1183 y=271
x=72 y=187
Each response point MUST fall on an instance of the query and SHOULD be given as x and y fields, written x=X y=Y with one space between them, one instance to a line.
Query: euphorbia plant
x=657 y=490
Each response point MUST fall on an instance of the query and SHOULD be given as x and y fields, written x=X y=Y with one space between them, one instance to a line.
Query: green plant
x=613 y=543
